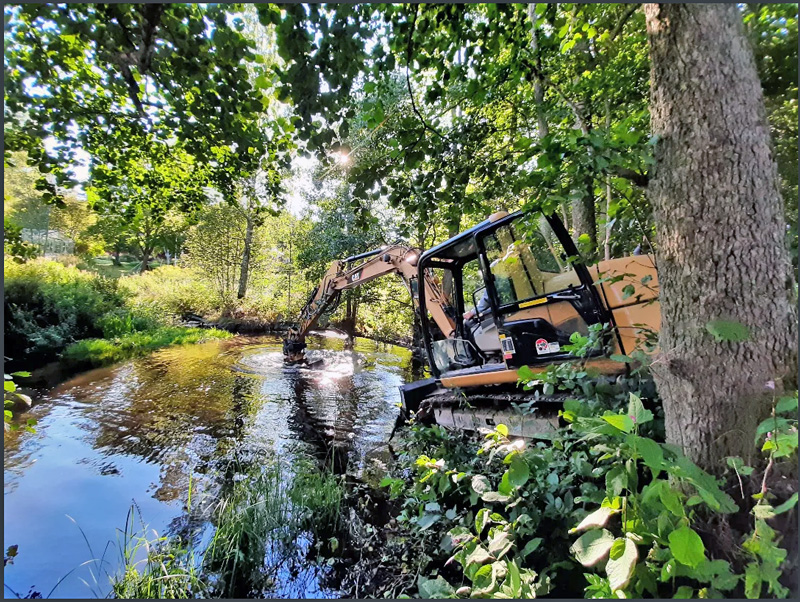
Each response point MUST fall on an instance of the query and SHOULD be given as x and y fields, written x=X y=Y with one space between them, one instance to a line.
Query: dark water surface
x=140 y=432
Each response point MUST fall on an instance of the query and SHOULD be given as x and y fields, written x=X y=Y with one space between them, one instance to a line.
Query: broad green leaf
x=616 y=481
x=531 y=546
x=598 y=518
x=637 y=412
x=763 y=511
x=500 y=544
x=786 y=405
x=684 y=592
x=626 y=359
x=502 y=429
x=518 y=472
x=620 y=566
x=671 y=499
x=481 y=520
x=427 y=520
x=649 y=450
x=787 y=505
x=478 y=556
x=728 y=330
x=495 y=496
x=592 y=547
x=687 y=547
x=619 y=421
x=480 y=484
x=24 y=374
x=433 y=589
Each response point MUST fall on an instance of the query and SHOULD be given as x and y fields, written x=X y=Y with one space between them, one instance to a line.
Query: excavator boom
x=353 y=272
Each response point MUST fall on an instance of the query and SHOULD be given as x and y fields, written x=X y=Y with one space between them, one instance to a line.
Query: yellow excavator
x=517 y=290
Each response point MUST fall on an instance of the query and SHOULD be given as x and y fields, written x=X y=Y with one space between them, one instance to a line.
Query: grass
x=101 y=352
x=258 y=523
x=264 y=514
x=168 y=570
x=105 y=267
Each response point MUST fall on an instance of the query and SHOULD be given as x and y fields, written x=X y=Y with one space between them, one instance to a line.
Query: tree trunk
x=584 y=220
x=245 y=267
x=116 y=260
x=720 y=222
x=146 y=253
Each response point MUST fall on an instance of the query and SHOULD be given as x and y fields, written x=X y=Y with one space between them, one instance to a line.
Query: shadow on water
x=207 y=414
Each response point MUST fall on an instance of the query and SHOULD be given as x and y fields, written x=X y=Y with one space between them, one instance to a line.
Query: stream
x=145 y=432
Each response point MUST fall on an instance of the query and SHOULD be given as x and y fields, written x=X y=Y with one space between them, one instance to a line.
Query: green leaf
x=787 y=505
x=427 y=520
x=763 y=511
x=518 y=472
x=478 y=556
x=23 y=374
x=627 y=291
x=481 y=520
x=651 y=454
x=728 y=330
x=502 y=429
x=598 y=518
x=592 y=547
x=480 y=484
x=626 y=359
x=531 y=546
x=637 y=412
x=619 y=421
x=500 y=544
x=671 y=499
x=687 y=547
x=9 y=386
x=616 y=481
x=786 y=405
x=495 y=496
x=433 y=589
x=684 y=592
x=620 y=566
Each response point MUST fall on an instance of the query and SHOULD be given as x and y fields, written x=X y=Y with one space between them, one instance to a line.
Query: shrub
x=169 y=291
x=49 y=305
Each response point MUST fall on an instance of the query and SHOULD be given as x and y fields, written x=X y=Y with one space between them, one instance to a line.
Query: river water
x=142 y=433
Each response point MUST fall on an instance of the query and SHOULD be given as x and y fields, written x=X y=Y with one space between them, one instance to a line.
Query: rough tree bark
x=720 y=222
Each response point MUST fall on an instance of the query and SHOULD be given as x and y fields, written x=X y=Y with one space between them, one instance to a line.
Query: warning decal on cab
x=543 y=346
x=508 y=347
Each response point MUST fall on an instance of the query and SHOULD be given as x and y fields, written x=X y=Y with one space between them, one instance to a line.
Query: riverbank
x=93 y=353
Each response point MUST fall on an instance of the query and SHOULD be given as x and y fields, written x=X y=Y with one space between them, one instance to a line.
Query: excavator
x=517 y=289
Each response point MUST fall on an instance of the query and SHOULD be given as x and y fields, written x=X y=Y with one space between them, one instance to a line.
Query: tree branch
x=409 y=50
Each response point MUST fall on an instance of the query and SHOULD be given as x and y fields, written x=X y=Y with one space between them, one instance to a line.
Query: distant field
x=105 y=267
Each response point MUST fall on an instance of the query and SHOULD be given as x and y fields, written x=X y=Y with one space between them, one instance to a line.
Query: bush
x=49 y=305
x=169 y=291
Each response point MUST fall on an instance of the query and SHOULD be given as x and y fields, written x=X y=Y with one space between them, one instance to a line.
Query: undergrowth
x=602 y=509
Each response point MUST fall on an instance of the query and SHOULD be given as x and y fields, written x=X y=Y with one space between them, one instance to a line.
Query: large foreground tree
x=720 y=223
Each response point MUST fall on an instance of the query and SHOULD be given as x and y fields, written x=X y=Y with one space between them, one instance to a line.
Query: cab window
x=530 y=266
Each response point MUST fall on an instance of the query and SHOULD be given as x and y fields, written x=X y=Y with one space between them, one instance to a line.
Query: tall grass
x=263 y=516
x=258 y=524
x=157 y=568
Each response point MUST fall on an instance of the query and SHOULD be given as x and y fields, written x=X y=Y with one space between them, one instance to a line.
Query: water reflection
x=144 y=429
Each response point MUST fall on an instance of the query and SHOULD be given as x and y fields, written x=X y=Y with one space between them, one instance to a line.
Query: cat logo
x=355 y=277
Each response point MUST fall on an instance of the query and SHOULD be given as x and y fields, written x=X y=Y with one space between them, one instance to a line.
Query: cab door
x=540 y=291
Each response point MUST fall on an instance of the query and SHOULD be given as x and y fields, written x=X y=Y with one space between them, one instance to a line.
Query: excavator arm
x=351 y=273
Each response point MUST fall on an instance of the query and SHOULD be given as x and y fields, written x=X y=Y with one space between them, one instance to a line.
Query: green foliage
x=101 y=352
x=13 y=245
x=13 y=399
x=611 y=500
x=155 y=567
x=48 y=306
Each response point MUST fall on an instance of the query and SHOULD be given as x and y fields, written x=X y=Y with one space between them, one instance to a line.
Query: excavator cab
x=523 y=291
